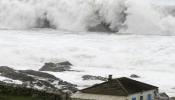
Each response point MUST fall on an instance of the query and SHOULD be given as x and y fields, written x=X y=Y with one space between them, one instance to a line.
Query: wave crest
x=126 y=16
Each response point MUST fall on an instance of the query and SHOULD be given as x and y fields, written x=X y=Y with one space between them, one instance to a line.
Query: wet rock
x=37 y=79
x=44 y=22
x=67 y=85
x=134 y=76
x=91 y=77
x=100 y=28
x=5 y=69
x=65 y=63
x=39 y=74
x=56 y=67
x=14 y=74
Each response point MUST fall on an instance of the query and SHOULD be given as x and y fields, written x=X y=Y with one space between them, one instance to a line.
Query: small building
x=163 y=96
x=118 y=89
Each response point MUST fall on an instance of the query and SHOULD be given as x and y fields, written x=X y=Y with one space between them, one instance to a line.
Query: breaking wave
x=122 y=16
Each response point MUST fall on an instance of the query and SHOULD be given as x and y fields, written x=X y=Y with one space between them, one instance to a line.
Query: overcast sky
x=164 y=2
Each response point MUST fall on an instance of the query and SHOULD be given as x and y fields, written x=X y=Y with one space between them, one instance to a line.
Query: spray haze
x=125 y=16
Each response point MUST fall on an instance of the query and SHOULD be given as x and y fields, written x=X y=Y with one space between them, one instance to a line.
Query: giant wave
x=120 y=16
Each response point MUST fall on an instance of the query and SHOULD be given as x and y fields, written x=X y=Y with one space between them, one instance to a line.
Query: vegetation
x=14 y=92
x=11 y=97
x=16 y=98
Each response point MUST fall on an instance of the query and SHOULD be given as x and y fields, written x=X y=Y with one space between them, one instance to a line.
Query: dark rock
x=44 y=22
x=32 y=79
x=65 y=63
x=40 y=84
x=134 y=76
x=14 y=74
x=90 y=77
x=39 y=74
x=100 y=28
x=44 y=83
x=56 y=67
x=5 y=69
x=67 y=85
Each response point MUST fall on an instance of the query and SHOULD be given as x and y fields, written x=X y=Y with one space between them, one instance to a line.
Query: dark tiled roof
x=163 y=95
x=119 y=87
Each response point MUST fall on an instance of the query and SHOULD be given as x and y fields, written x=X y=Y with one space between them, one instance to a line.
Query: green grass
x=19 y=98
x=2 y=97
x=15 y=98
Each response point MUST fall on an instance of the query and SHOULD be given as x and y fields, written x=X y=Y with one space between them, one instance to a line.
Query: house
x=163 y=96
x=118 y=89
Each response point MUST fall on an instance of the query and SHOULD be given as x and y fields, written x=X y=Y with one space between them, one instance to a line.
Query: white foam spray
x=147 y=18
x=124 y=16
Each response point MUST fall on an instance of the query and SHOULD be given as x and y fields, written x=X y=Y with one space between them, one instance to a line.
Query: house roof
x=119 y=87
x=163 y=95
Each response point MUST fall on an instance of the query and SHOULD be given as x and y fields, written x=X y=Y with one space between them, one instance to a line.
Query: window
x=81 y=99
x=141 y=97
x=133 y=98
x=149 y=97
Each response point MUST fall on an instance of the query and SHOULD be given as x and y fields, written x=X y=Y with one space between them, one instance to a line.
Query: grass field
x=2 y=97
x=15 y=98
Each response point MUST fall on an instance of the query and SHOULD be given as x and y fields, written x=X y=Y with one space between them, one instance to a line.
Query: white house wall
x=144 y=94
x=97 y=97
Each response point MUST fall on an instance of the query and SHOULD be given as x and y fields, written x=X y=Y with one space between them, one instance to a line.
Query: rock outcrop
x=101 y=28
x=91 y=77
x=14 y=74
x=37 y=79
x=56 y=67
x=134 y=76
x=39 y=74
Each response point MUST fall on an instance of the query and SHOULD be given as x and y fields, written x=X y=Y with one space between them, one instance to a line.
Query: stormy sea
x=98 y=37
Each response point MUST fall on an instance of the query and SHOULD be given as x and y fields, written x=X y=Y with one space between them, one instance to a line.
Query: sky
x=164 y=2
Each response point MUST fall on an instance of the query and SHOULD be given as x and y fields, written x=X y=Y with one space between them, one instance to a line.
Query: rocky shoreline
x=37 y=79
x=41 y=80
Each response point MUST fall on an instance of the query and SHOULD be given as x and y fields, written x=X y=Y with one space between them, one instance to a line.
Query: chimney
x=110 y=78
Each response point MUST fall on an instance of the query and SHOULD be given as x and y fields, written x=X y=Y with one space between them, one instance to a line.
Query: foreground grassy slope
x=16 y=98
